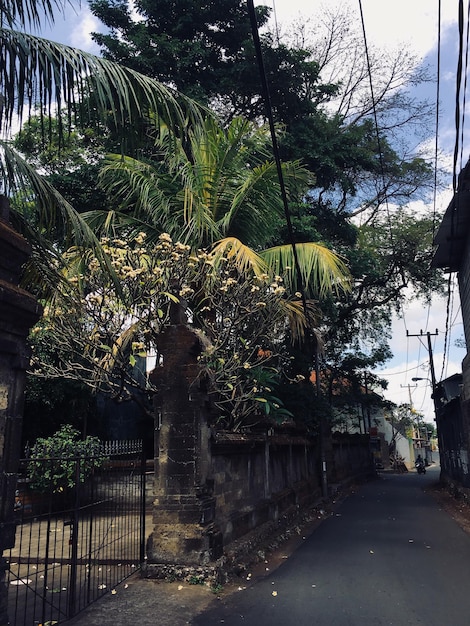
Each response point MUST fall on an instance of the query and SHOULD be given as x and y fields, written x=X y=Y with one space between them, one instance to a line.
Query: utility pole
x=409 y=392
x=433 y=380
x=431 y=359
x=412 y=411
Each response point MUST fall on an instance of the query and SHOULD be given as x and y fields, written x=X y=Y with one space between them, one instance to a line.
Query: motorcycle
x=420 y=467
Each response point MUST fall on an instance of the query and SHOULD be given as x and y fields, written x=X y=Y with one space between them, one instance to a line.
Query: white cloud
x=80 y=35
x=389 y=24
x=411 y=352
x=73 y=26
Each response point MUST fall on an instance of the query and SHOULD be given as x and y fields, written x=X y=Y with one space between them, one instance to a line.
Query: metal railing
x=76 y=543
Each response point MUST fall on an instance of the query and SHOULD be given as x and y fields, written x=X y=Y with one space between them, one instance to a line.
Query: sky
x=411 y=23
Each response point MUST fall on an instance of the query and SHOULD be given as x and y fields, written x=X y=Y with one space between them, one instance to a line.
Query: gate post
x=184 y=531
x=18 y=312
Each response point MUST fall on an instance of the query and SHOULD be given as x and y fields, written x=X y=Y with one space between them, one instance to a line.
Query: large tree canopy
x=194 y=45
x=215 y=184
x=318 y=78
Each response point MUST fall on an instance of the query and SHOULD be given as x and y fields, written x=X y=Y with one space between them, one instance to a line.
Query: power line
x=406 y=371
x=457 y=98
x=277 y=158
x=438 y=98
x=464 y=98
x=458 y=138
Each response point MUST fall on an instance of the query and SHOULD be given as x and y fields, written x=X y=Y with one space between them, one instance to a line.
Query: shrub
x=53 y=460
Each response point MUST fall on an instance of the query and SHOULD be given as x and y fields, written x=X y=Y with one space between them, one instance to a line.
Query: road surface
x=387 y=556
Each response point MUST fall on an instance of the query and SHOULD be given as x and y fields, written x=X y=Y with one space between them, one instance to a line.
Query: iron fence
x=76 y=542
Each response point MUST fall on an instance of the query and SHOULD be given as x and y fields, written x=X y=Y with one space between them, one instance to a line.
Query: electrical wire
x=436 y=141
x=406 y=371
x=374 y=112
x=464 y=90
x=458 y=138
x=277 y=158
x=438 y=103
x=379 y=145
x=457 y=99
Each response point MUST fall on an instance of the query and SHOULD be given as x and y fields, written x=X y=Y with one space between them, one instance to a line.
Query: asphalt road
x=387 y=556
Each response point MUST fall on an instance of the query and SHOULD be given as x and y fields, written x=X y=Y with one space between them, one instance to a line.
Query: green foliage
x=40 y=76
x=430 y=429
x=99 y=328
x=197 y=579
x=196 y=46
x=265 y=380
x=300 y=397
x=49 y=150
x=213 y=182
x=402 y=419
x=59 y=462
x=319 y=90
x=253 y=393
x=218 y=182
x=48 y=400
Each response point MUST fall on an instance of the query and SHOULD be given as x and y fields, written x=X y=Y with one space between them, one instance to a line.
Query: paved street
x=387 y=556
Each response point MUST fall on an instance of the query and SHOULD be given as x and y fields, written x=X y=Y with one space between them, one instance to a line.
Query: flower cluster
x=108 y=314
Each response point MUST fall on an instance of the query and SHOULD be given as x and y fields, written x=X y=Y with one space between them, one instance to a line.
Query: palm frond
x=32 y=12
x=301 y=319
x=322 y=271
x=17 y=176
x=247 y=260
x=257 y=201
x=41 y=208
x=35 y=71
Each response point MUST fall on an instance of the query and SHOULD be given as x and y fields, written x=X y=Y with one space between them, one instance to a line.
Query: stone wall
x=258 y=479
x=213 y=488
x=351 y=457
x=18 y=312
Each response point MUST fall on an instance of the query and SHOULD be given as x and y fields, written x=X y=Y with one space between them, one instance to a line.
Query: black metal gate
x=74 y=545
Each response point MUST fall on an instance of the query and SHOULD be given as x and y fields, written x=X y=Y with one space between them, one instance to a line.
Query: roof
x=453 y=232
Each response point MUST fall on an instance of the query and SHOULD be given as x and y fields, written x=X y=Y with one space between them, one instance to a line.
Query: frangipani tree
x=99 y=331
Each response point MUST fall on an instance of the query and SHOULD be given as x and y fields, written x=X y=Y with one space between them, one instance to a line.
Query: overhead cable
x=277 y=158
x=458 y=138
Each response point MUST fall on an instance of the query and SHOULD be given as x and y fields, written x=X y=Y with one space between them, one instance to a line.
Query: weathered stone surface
x=18 y=312
x=184 y=508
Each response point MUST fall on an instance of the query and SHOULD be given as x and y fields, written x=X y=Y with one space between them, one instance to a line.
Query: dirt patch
x=147 y=602
x=455 y=504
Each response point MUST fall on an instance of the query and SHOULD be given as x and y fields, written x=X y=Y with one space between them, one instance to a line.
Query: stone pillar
x=184 y=532
x=18 y=312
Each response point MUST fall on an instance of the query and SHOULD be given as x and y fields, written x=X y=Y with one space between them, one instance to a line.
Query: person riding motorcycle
x=420 y=465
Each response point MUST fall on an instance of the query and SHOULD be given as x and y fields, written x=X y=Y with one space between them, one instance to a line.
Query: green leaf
x=171 y=296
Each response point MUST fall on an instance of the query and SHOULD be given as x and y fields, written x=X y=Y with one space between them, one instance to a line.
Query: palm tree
x=217 y=188
x=39 y=74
